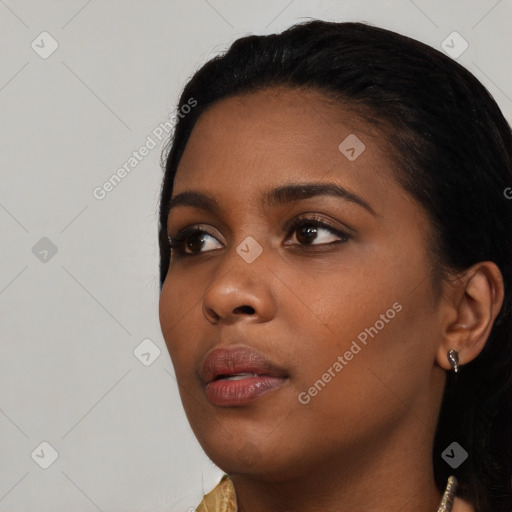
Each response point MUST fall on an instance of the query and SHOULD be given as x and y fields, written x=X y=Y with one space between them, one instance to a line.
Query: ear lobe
x=475 y=301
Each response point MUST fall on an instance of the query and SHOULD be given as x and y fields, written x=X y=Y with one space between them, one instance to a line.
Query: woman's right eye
x=193 y=240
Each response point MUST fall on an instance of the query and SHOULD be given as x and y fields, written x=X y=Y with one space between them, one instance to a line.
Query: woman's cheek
x=175 y=315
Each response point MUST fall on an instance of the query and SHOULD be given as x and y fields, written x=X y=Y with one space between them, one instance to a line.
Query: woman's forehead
x=260 y=139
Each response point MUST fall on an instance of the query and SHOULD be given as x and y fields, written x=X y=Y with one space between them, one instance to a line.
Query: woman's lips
x=238 y=375
x=226 y=391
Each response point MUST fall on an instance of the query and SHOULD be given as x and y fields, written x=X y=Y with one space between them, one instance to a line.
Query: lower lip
x=241 y=392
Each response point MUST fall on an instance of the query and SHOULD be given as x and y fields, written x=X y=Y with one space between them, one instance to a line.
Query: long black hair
x=452 y=150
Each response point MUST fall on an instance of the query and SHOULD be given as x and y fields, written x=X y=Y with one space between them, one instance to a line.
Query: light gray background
x=70 y=322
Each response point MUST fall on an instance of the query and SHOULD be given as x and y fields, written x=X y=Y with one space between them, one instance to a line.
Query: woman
x=336 y=275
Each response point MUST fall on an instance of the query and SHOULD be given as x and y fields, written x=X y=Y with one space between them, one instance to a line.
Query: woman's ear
x=471 y=306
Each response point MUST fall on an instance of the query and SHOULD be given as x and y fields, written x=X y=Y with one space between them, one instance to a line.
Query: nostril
x=244 y=309
x=212 y=314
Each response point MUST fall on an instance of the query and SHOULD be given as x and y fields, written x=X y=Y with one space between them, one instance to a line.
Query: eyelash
x=177 y=241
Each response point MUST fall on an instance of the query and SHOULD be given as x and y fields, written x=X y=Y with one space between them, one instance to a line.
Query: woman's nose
x=239 y=291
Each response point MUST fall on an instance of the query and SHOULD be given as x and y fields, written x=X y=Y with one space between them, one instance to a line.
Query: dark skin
x=364 y=442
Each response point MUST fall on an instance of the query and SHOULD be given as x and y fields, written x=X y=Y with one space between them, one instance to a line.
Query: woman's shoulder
x=221 y=499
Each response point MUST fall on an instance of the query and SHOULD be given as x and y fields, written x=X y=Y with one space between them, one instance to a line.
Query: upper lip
x=235 y=360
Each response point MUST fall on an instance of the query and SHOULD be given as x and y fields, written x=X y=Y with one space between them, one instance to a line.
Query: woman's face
x=340 y=304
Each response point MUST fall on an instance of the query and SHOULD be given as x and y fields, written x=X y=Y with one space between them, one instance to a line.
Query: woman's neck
x=383 y=477
x=460 y=505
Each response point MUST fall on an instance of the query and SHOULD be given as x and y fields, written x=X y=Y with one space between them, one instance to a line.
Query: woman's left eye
x=313 y=231
x=194 y=240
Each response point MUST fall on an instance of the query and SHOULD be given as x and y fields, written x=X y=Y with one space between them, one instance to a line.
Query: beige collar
x=223 y=498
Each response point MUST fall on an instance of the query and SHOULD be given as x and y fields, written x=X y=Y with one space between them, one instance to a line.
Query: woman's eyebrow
x=195 y=199
x=295 y=192
x=277 y=196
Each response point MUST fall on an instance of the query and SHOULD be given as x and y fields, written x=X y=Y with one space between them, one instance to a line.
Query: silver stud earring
x=453 y=357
